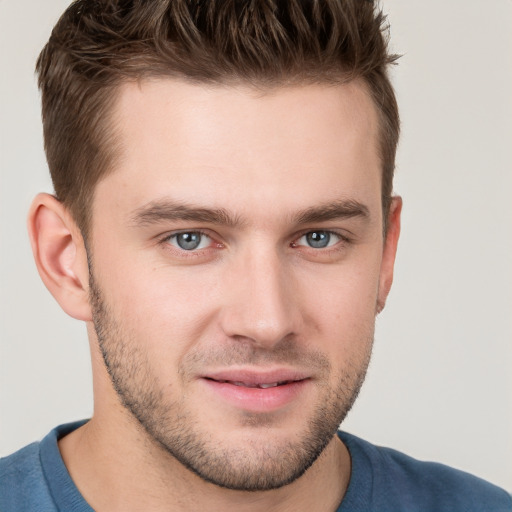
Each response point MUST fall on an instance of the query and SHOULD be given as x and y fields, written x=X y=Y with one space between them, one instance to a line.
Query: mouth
x=257 y=391
x=260 y=385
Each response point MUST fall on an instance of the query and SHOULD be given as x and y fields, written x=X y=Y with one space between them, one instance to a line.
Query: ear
x=60 y=255
x=389 y=252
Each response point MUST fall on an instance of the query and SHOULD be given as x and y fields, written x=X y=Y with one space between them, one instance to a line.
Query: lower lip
x=257 y=399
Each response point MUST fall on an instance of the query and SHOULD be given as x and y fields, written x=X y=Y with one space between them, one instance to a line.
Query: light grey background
x=440 y=385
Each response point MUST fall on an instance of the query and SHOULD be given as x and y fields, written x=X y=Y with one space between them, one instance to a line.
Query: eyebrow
x=168 y=210
x=343 y=209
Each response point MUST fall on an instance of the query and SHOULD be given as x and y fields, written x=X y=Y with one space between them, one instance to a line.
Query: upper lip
x=254 y=377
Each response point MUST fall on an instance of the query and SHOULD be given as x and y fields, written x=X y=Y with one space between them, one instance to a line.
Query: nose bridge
x=261 y=306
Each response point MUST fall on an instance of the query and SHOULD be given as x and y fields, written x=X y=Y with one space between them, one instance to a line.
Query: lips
x=257 y=377
x=262 y=385
x=256 y=391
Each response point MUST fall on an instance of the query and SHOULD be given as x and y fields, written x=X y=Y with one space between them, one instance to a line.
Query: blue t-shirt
x=35 y=479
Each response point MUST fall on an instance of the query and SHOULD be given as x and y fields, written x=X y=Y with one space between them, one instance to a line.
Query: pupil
x=188 y=241
x=318 y=239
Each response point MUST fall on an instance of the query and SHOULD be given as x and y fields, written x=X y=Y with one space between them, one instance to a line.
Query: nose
x=262 y=306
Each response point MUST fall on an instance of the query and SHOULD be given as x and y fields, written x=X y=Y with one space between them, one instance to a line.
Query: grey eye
x=318 y=239
x=190 y=240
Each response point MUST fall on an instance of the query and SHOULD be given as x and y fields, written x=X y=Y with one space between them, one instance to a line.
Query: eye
x=190 y=240
x=319 y=239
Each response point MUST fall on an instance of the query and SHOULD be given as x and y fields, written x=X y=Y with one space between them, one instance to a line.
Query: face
x=236 y=268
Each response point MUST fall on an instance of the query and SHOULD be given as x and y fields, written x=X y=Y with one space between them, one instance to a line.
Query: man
x=223 y=222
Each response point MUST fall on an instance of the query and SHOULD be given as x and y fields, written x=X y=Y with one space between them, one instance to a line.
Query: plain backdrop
x=440 y=384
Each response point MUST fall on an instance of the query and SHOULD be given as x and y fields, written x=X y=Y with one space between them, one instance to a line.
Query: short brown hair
x=99 y=44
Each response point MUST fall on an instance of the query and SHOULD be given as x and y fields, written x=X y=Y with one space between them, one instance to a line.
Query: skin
x=254 y=297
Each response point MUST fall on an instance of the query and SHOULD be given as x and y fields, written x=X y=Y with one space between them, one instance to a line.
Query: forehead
x=238 y=147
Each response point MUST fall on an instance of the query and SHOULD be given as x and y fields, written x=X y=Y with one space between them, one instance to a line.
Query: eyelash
x=167 y=238
x=343 y=241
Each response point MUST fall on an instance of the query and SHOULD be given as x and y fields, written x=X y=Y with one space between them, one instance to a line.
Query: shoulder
x=35 y=478
x=396 y=481
x=22 y=482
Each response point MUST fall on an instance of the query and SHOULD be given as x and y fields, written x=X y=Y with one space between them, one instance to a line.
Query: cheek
x=347 y=293
x=172 y=308
x=341 y=304
x=164 y=306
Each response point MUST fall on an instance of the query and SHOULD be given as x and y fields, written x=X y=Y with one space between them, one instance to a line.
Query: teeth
x=262 y=386
x=243 y=384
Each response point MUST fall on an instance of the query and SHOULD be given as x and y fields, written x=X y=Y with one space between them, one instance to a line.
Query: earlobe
x=389 y=252
x=60 y=255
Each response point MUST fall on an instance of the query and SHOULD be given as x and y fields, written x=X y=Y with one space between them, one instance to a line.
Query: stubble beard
x=257 y=465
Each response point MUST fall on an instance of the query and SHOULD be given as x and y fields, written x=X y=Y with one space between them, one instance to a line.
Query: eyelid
x=344 y=239
x=342 y=235
x=203 y=241
x=167 y=237
x=198 y=255
x=172 y=234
